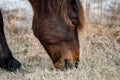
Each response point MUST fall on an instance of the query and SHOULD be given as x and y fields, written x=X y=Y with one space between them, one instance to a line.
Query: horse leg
x=7 y=61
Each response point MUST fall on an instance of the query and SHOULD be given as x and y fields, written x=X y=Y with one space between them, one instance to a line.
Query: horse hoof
x=13 y=65
x=21 y=70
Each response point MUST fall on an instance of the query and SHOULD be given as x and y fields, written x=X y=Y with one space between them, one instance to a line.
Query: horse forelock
x=59 y=7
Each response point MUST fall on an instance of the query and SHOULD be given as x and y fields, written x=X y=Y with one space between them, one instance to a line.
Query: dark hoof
x=13 y=65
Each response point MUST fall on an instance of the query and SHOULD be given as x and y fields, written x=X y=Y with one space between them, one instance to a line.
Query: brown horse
x=56 y=24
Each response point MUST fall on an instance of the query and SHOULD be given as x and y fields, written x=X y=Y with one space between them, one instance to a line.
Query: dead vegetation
x=99 y=60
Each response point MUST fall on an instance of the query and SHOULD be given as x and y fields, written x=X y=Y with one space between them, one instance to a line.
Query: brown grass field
x=99 y=58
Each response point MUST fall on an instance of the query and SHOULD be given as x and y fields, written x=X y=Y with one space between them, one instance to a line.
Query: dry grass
x=100 y=56
x=99 y=60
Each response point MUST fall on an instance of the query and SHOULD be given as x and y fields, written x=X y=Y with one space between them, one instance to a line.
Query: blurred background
x=99 y=43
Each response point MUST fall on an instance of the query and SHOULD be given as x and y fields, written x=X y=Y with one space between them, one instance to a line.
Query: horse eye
x=75 y=22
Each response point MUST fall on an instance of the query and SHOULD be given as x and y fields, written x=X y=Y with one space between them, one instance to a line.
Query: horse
x=55 y=24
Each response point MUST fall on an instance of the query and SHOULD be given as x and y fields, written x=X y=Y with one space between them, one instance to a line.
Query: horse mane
x=80 y=13
x=59 y=7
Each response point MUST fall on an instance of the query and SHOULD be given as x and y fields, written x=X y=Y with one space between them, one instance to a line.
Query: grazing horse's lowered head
x=56 y=24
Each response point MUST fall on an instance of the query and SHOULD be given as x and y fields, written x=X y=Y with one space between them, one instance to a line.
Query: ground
x=99 y=60
x=99 y=51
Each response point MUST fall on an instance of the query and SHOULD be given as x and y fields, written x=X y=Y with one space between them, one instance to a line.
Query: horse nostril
x=76 y=63
x=68 y=64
